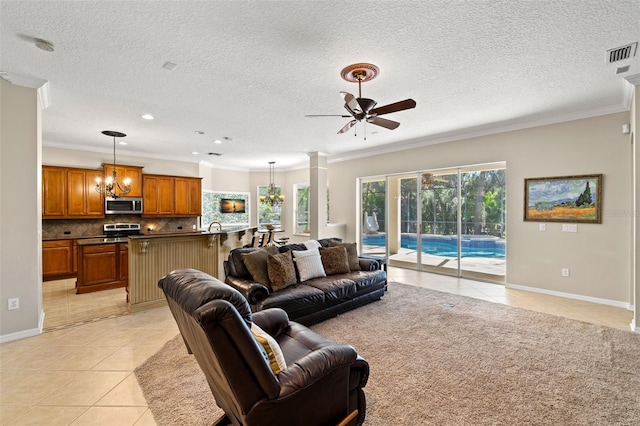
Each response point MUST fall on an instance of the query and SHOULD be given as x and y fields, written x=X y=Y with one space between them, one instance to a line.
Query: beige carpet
x=443 y=359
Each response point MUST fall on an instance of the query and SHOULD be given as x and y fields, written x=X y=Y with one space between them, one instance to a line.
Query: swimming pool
x=446 y=245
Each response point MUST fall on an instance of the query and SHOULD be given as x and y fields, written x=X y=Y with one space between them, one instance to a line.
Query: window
x=301 y=207
x=301 y=210
x=268 y=214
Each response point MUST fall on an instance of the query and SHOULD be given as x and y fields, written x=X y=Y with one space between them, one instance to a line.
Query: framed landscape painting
x=572 y=199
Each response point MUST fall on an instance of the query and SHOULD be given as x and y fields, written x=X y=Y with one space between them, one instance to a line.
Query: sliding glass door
x=440 y=242
x=483 y=218
x=449 y=221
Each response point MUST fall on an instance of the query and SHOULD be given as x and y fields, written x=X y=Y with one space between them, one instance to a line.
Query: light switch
x=570 y=227
x=542 y=227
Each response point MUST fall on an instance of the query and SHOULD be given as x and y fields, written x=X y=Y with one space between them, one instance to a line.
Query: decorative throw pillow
x=256 y=263
x=309 y=264
x=334 y=260
x=312 y=244
x=281 y=270
x=271 y=347
x=352 y=253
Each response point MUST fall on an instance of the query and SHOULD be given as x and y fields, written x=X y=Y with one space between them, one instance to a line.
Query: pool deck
x=486 y=268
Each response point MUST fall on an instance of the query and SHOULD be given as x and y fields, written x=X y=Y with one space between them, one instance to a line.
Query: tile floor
x=63 y=307
x=83 y=375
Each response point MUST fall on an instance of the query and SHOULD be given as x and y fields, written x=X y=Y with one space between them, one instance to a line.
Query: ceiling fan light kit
x=364 y=108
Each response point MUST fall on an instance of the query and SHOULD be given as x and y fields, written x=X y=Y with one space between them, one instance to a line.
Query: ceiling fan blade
x=396 y=106
x=378 y=121
x=347 y=126
x=351 y=104
x=327 y=115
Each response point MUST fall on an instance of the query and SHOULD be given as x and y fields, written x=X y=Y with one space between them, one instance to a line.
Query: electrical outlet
x=565 y=272
x=13 y=303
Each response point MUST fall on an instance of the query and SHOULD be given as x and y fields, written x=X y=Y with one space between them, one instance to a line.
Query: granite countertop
x=224 y=231
x=71 y=237
x=101 y=240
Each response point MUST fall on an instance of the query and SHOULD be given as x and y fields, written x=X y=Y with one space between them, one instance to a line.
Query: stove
x=119 y=230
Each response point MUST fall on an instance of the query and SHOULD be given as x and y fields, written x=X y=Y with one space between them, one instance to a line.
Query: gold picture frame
x=569 y=199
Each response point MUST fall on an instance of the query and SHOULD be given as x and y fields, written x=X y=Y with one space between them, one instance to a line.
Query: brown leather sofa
x=312 y=301
x=321 y=384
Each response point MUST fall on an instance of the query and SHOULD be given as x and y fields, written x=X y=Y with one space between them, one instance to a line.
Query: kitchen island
x=154 y=255
x=102 y=264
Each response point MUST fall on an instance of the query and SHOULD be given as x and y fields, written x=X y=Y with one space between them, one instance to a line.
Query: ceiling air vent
x=621 y=53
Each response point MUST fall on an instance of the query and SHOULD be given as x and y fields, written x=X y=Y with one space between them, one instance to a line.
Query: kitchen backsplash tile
x=68 y=228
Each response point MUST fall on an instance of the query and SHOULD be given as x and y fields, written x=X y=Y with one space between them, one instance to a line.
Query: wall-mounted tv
x=232 y=205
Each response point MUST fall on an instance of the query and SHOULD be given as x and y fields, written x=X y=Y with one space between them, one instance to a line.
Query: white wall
x=597 y=255
x=223 y=179
x=20 y=212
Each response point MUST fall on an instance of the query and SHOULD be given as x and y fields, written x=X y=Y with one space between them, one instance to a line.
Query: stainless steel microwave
x=123 y=205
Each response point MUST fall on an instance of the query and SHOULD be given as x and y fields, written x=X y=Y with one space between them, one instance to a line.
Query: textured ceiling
x=251 y=70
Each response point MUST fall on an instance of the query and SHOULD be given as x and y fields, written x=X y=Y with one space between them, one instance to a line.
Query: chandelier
x=111 y=187
x=272 y=198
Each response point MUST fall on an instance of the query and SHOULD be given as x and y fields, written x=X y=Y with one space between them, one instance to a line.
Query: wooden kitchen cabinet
x=57 y=259
x=123 y=273
x=188 y=196
x=158 y=195
x=134 y=173
x=69 y=193
x=171 y=196
x=82 y=198
x=102 y=267
x=54 y=192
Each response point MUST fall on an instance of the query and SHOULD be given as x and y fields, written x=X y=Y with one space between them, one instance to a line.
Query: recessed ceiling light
x=199 y=132
x=195 y=153
x=146 y=116
x=45 y=45
x=217 y=141
x=122 y=143
x=169 y=66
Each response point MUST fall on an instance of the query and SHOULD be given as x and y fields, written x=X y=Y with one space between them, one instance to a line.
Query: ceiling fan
x=364 y=108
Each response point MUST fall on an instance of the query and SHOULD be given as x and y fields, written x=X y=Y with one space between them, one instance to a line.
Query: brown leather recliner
x=321 y=385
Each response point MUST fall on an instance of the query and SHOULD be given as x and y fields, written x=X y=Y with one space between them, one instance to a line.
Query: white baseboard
x=608 y=302
x=23 y=334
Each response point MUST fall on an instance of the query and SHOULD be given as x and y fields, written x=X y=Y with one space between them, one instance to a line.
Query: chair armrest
x=367 y=264
x=254 y=292
x=314 y=366
x=361 y=368
x=273 y=321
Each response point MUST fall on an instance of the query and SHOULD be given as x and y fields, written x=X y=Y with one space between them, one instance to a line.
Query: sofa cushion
x=365 y=281
x=312 y=244
x=256 y=263
x=281 y=270
x=309 y=264
x=334 y=260
x=275 y=357
x=352 y=253
x=298 y=299
x=334 y=289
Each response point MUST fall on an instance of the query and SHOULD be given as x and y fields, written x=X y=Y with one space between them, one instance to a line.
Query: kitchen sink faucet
x=217 y=223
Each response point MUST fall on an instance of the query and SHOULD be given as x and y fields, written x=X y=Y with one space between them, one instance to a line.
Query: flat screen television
x=232 y=205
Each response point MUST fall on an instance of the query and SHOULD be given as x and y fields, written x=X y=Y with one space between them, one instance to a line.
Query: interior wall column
x=317 y=195
x=635 y=201
x=20 y=228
